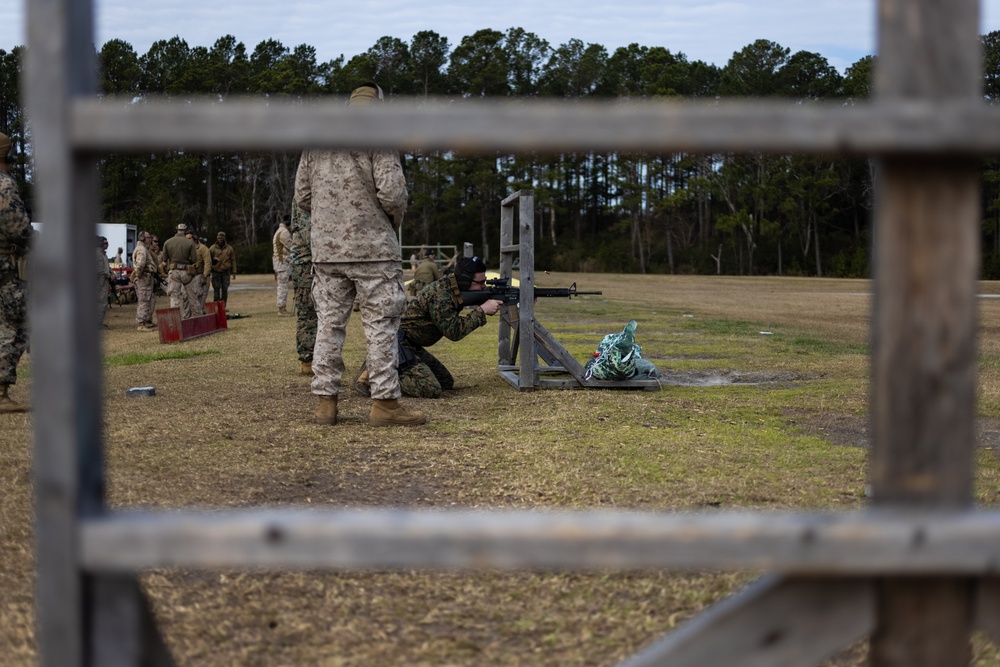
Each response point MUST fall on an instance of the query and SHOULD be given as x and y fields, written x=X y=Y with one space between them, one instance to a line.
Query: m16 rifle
x=501 y=290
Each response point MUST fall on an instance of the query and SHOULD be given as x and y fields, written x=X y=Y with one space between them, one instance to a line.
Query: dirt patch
x=720 y=378
x=850 y=430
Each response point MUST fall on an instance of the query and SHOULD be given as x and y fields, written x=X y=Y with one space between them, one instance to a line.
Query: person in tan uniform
x=223 y=267
x=145 y=276
x=203 y=268
x=356 y=200
x=105 y=276
x=281 y=245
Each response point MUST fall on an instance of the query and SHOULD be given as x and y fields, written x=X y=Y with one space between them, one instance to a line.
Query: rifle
x=501 y=290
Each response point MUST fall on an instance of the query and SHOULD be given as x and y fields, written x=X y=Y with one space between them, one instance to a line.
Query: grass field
x=745 y=419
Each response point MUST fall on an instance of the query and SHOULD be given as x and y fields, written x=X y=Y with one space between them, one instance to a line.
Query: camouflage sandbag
x=619 y=357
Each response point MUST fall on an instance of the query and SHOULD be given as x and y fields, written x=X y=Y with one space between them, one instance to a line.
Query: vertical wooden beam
x=924 y=324
x=526 y=308
x=504 y=355
x=65 y=344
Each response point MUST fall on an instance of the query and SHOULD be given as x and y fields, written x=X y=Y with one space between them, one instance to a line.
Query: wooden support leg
x=123 y=631
x=776 y=622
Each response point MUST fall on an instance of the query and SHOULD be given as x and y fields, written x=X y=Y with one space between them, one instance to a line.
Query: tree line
x=636 y=212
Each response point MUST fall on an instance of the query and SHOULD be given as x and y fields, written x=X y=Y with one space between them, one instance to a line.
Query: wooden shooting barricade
x=915 y=573
x=523 y=338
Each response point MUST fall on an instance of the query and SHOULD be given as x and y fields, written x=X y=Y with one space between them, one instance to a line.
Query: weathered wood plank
x=874 y=542
x=776 y=622
x=64 y=329
x=987 y=609
x=897 y=126
x=123 y=627
x=526 y=276
x=924 y=323
x=507 y=252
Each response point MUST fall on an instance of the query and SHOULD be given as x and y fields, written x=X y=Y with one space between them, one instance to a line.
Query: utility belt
x=183 y=266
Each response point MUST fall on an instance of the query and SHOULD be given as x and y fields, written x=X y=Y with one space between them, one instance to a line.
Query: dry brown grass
x=231 y=427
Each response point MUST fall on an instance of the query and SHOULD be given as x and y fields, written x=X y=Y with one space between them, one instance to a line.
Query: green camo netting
x=619 y=357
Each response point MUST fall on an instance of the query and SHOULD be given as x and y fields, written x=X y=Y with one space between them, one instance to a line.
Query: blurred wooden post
x=924 y=324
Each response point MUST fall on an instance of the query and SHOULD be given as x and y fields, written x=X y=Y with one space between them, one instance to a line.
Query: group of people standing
x=187 y=266
x=347 y=211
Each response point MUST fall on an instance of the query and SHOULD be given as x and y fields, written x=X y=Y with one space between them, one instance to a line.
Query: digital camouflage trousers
x=13 y=324
x=305 y=311
x=426 y=379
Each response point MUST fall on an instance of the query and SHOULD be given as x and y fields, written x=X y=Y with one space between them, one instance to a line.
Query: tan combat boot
x=283 y=313
x=7 y=404
x=388 y=412
x=326 y=411
x=305 y=368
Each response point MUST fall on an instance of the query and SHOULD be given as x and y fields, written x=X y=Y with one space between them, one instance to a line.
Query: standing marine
x=281 y=246
x=145 y=278
x=223 y=268
x=356 y=200
x=181 y=257
x=15 y=233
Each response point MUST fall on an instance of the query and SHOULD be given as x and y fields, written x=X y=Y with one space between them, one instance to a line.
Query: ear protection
x=466 y=270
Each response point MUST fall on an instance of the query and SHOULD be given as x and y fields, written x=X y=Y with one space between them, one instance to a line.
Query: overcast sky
x=709 y=30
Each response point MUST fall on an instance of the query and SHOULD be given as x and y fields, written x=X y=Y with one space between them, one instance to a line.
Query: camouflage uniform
x=281 y=246
x=356 y=200
x=104 y=276
x=144 y=277
x=436 y=312
x=300 y=260
x=15 y=231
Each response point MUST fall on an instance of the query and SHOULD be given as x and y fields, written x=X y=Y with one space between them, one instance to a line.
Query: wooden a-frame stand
x=519 y=331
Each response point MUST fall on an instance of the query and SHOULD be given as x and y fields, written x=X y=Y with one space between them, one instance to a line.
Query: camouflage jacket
x=356 y=200
x=300 y=227
x=15 y=226
x=437 y=311
x=143 y=262
x=281 y=244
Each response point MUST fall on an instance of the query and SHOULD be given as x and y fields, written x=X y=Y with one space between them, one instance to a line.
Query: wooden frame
x=921 y=575
x=529 y=338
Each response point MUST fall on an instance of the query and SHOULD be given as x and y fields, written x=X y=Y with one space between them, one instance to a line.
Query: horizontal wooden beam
x=866 y=543
x=531 y=125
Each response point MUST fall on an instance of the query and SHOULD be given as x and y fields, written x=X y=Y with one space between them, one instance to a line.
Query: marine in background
x=181 y=258
x=223 y=268
x=145 y=277
x=425 y=273
x=281 y=247
x=15 y=235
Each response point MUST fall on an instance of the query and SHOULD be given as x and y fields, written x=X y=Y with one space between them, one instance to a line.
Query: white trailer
x=118 y=235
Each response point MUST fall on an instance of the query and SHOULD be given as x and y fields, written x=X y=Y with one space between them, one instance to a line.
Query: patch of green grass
x=724 y=327
x=138 y=358
x=809 y=345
